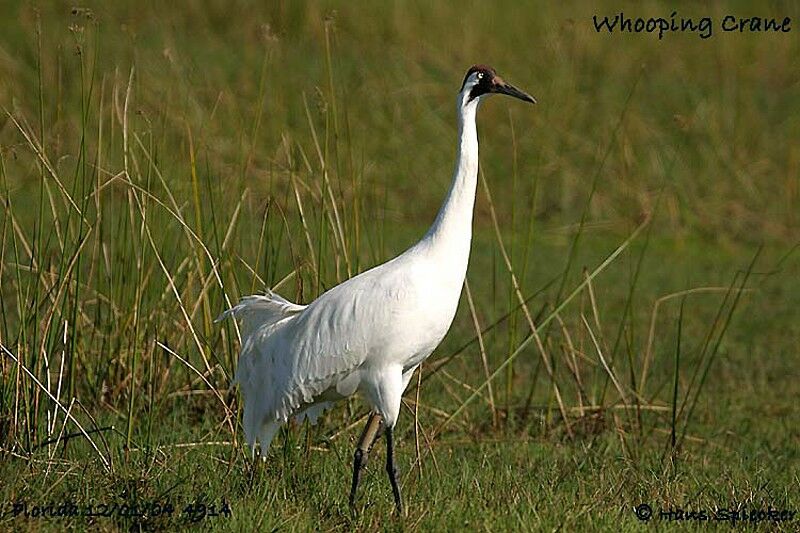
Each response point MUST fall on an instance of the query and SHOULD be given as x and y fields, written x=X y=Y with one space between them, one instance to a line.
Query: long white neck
x=451 y=232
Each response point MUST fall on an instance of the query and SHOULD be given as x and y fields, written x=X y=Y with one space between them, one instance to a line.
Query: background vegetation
x=158 y=161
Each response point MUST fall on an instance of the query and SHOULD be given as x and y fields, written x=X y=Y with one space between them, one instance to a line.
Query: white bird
x=371 y=332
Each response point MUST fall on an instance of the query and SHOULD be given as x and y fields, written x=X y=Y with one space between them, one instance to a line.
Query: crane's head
x=482 y=80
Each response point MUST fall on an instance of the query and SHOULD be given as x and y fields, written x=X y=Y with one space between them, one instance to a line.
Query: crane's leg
x=365 y=443
x=392 y=471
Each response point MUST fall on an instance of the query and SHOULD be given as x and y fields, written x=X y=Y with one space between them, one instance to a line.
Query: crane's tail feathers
x=259 y=311
x=268 y=429
x=268 y=432
x=260 y=316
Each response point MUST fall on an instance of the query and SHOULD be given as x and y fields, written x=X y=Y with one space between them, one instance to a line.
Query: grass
x=629 y=332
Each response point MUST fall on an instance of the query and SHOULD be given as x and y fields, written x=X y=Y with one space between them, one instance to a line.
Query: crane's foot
x=361 y=455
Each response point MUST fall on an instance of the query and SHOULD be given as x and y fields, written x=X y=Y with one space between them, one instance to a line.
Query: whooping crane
x=371 y=332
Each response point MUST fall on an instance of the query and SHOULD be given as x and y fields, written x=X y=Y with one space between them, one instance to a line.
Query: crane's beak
x=501 y=87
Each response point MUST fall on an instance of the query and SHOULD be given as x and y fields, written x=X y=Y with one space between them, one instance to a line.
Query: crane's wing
x=294 y=356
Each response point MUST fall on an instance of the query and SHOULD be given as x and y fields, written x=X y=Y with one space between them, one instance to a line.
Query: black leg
x=359 y=461
x=361 y=456
x=392 y=471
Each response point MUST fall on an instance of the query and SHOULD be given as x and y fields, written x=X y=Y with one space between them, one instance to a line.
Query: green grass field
x=158 y=162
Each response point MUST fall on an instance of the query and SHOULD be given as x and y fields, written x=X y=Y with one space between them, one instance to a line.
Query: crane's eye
x=480 y=75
